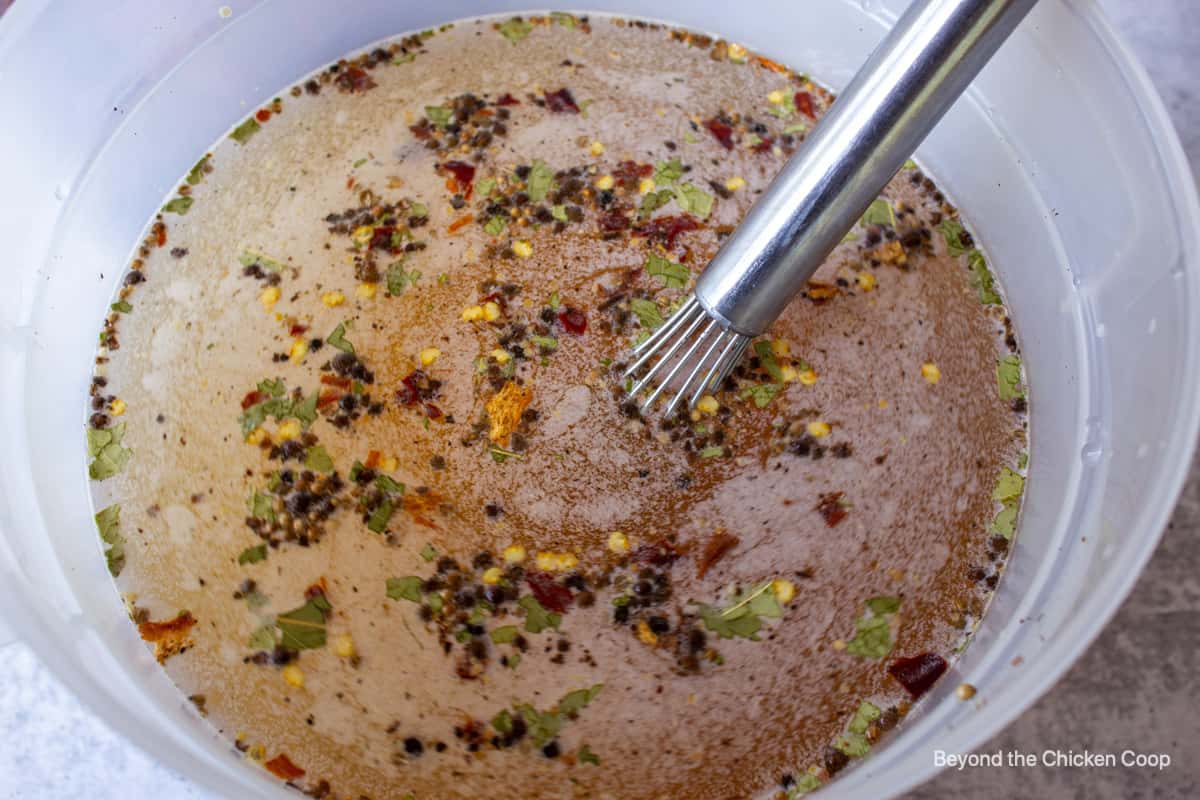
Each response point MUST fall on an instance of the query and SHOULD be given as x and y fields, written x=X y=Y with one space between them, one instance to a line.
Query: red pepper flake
x=463 y=172
x=667 y=228
x=764 y=145
x=355 y=79
x=381 y=238
x=830 y=507
x=919 y=673
x=631 y=171
x=718 y=545
x=317 y=589
x=350 y=182
x=804 y=104
x=252 y=398
x=335 y=380
x=460 y=223
x=612 y=222
x=296 y=329
x=561 y=101
x=373 y=459
x=723 y=132
x=409 y=392
x=507 y=99
x=160 y=234
x=573 y=320
x=552 y=595
x=328 y=398
x=282 y=767
x=432 y=411
x=262 y=115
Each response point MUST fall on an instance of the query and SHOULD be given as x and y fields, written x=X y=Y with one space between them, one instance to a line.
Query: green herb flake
x=1008 y=486
x=586 y=756
x=428 y=553
x=439 y=115
x=1022 y=460
x=303 y=628
x=981 y=279
x=559 y=212
x=496 y=225
x=952 y=232
x=484 y=187
x=805 y=784
x=909 y=164
x=505 y=634
x=253 y=555
x=854 y=745
x=1008 y=378
x=407 y=588
x=338 y=339
x=795 y=127
x=712 y=451
x=537 y=618
x=503 y=723
x=880 y=212
x=196 y=174
x=666 y=172
x=242 y=133
x=419 y=210
x=108 y=523
x=760 y=393
x=250 y=257
x=873 y=634
x=387 y=484
x=179 y=205
x=864 y=715
x=121 y=307
x=647 y=312
x=694 y=200
x=317 y=459
x=263 y=638
x=378 y=521
x=515 y=29
x=539 y=182
x=744 y=614
x=654 y=201
x=398 y=280
x=108 y=455
x=766 y=358
x=359 y=163
x=546 y=343
x=673 y=276
x=568 y=21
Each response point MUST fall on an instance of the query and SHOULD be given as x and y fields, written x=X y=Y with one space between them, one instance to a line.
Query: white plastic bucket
x=1061 y=155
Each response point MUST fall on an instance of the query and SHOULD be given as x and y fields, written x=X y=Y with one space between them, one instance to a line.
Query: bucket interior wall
x=1060 y=156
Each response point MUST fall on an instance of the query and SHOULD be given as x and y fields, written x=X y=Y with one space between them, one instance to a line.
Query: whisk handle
x=911 y=79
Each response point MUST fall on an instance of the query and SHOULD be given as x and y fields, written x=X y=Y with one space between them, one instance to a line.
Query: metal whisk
x=912 y=78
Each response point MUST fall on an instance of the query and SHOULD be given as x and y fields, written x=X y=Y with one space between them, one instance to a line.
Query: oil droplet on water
x=225 y=12
x=62 y=191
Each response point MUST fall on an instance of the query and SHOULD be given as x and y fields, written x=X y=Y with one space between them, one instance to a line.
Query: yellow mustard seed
x=605 y=182
x=472 y=313
x=492 y=575
x=298 y=350
x=867 y=281
x=269 y=297
x=646 y=186
x=808 y=377
x=930 y=372
x=818 y=429
x=293 y=675
x=343 y=646
x=117 y=407
x=618 y=542
x=785 y=590
x=491 y=310
x=500 y=355
x=735 y=183
x=288 y=430
x=522 y=248
x=707 y=404
x=333 y=299
x=597 y=148
x=256 y=436
x=366 y=290
x=429 y=355
x=514 y=554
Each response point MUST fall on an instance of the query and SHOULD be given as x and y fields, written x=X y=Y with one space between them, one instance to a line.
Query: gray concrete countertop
x=1135 y=688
